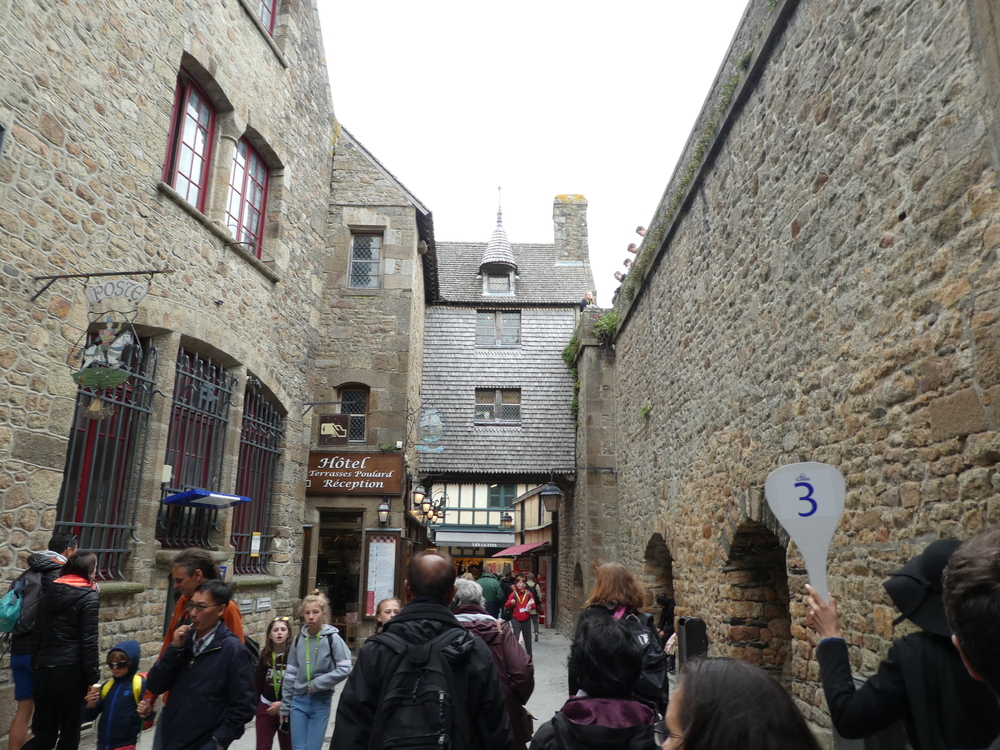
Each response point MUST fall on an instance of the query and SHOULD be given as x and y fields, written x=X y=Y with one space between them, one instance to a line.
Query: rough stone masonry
x=820 y=283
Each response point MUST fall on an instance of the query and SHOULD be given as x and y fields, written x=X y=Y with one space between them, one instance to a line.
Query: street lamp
x=506 y=521
x=551 y=496
x=383 y=512
x=419 y=493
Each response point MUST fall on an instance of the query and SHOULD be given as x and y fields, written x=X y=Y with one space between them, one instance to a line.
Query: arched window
x=354 y=401
x=260 y=437
x=246 y=206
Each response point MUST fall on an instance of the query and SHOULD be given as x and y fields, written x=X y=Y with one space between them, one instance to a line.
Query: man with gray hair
x=517 y=673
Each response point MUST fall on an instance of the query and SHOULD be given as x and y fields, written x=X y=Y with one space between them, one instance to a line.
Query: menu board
x=380 y=583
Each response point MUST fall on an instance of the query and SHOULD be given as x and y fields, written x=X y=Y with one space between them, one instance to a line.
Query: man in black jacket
x=47 y=565
x=207 y=671
x=430 y=587
x=972 y=603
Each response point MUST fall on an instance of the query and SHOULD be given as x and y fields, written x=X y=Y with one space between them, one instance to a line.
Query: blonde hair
x=615 y=587
x=315 y=597
x=378 y=608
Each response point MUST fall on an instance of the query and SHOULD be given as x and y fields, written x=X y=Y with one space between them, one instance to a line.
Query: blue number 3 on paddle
x=807 y=498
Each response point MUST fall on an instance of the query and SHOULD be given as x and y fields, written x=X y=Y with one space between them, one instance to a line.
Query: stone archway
x=754 y=598
x=578 y=596
x=657 y=569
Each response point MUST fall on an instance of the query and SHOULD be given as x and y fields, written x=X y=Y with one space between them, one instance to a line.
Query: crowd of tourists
x=446 y=669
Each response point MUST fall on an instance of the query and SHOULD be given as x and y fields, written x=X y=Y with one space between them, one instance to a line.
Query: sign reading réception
x=355 y=473
x=808 y=500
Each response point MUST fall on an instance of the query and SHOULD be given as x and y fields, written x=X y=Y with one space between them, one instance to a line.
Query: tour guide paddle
x=808 y=500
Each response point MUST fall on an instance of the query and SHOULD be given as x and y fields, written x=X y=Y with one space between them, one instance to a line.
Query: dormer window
x=498 y=283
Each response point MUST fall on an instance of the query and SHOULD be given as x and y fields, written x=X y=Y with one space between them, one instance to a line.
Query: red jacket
x=523 y=604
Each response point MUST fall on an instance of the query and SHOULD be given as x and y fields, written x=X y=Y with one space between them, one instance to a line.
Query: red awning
x=517 y=549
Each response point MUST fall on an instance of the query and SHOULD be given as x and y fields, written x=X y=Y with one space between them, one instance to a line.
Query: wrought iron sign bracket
x=52 y=279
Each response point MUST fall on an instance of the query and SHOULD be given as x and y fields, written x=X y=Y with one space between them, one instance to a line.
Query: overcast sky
x=541 y=98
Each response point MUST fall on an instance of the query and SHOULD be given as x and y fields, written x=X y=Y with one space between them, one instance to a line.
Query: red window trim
x=261 y=5
x=185 y=84
x=235 y=223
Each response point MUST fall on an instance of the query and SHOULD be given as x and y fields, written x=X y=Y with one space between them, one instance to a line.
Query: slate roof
x=454 y=367
x=540 y=280
x=498 y=250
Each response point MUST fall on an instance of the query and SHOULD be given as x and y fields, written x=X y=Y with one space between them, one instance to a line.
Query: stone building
x=820 y=283
x=192 y=138
x=496 y=421
x=377 y=275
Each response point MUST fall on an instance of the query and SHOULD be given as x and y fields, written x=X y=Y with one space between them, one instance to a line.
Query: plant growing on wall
x=605 y=325
x=644 y=411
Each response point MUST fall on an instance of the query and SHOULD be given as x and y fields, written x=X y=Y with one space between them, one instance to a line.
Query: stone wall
x=820 y=285
x=86 y=92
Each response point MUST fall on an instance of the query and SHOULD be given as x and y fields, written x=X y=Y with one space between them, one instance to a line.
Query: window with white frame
x=498 y=406
x=366 y=250
x=498 y=328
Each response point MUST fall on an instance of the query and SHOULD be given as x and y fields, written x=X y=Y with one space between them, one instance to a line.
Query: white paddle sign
x=808 y=500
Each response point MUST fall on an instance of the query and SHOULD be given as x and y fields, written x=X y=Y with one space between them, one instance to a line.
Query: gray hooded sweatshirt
x=329 y=663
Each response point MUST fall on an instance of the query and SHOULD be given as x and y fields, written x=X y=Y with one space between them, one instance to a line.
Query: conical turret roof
x=499 y=254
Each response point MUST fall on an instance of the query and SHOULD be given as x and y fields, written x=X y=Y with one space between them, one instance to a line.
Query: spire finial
x=499 y=205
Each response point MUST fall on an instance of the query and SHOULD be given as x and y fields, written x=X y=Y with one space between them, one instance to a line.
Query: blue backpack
x=19 y=606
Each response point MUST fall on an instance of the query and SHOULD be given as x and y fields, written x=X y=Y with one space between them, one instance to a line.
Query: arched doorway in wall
x=578 y=596
x=754 y=599
x=657 y=570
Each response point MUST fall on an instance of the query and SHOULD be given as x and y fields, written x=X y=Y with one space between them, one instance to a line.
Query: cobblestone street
x=550 y=653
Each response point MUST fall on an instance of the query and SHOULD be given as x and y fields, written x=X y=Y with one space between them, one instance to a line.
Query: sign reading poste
x=354 y=473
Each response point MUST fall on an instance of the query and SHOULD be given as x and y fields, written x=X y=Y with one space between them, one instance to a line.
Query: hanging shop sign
x=355 y=473
x=333 y=429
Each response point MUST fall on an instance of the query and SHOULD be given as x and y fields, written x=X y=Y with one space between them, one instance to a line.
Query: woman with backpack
x=269 y=680
x=607 y=661
x=618 y=594
x=317 y=661
x=65 y=655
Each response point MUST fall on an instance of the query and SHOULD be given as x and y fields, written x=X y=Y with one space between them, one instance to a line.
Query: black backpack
x=653 y=679
x=417 y=708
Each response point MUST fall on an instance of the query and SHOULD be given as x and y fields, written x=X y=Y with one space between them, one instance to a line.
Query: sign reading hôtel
x=355 y=473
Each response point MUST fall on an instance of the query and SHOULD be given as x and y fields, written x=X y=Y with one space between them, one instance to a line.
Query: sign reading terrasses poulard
x=355 y=473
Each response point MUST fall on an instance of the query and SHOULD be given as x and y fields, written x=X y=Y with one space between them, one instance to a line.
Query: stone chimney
x=569 y=214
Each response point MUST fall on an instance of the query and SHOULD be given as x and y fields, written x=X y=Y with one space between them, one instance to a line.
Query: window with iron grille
x=498 y=283
x=196 y=443
x=498 y=405
x=259 y=452
x=354 y=401
x=498 y=328
x=502 y=495
x=245 y=208
x=365 y=252
x=266 y=13
x=191 y=135
x=107 y=448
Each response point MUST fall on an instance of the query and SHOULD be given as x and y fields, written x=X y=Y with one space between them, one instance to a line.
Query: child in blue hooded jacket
x=117 y=700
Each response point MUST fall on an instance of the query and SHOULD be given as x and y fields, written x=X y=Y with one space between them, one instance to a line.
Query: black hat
x=916 y=588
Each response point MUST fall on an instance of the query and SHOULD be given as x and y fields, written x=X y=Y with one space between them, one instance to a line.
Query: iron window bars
x=203 y=393
x=355 y=403
x=260 y=438
x=98 y=500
